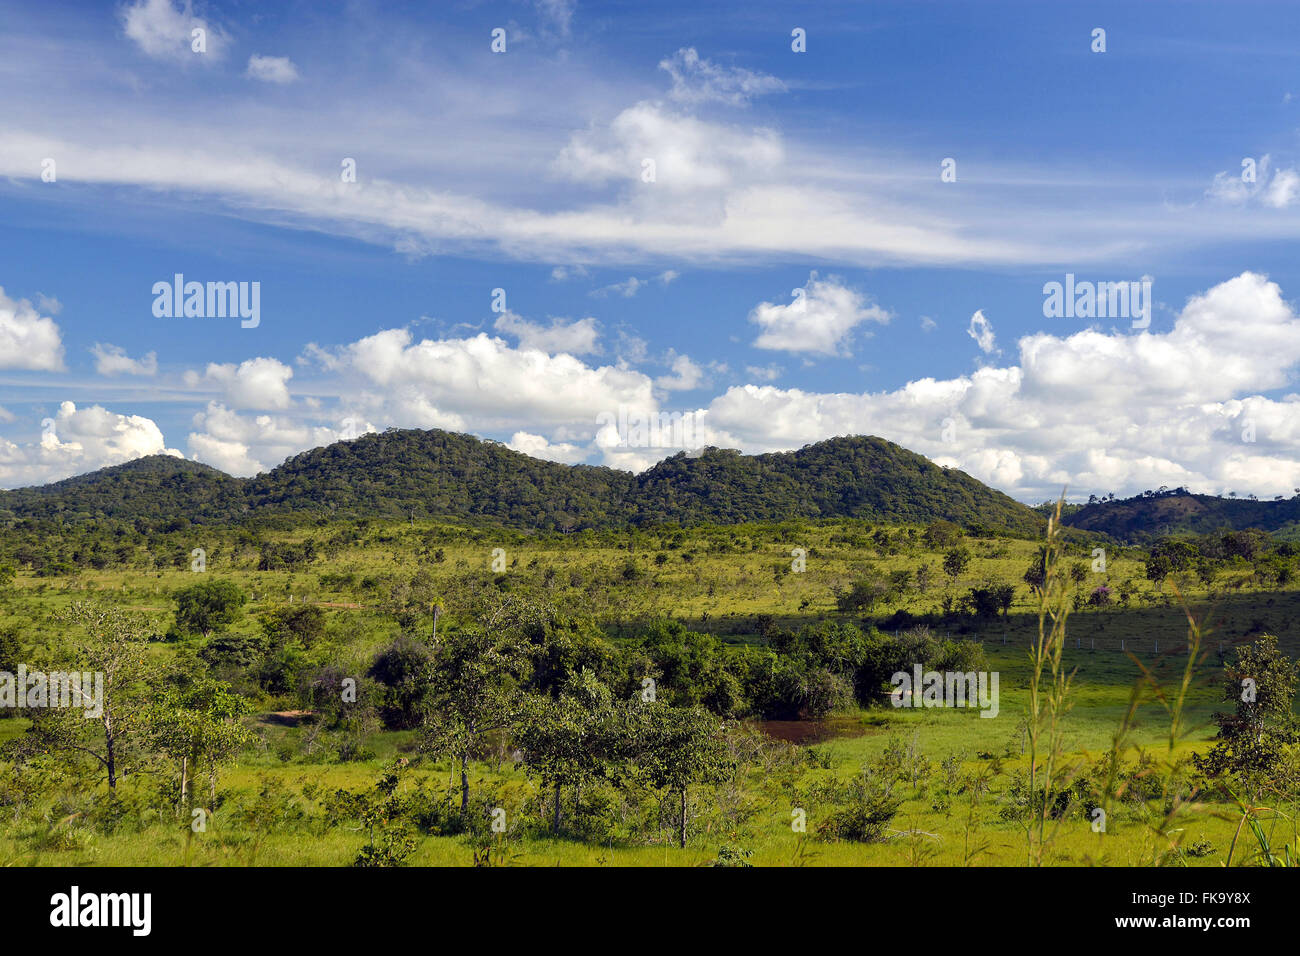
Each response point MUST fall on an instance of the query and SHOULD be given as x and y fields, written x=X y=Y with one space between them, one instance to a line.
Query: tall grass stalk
x=1049 y=691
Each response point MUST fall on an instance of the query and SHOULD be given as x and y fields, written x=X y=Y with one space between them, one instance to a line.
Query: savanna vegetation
x=308 y=688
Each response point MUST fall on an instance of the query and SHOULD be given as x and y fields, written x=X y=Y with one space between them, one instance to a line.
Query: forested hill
x=1158 y=514
x=444 y=474
x=159 y=486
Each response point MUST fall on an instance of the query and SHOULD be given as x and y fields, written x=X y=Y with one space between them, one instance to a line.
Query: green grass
x=717 y=580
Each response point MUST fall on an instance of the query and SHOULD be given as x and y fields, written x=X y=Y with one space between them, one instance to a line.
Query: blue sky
x=920 y=316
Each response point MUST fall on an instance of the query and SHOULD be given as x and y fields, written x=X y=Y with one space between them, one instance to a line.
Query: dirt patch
x=285 y=718
x=806 y=732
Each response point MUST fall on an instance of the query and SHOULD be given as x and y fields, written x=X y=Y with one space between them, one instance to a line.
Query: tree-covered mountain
x=155 y=487
x=432 y=473
x=1177 y=512
x=443 y=474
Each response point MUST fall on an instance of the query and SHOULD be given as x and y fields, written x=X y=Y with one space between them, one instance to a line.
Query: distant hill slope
x=1180 y=512
x=398 y=472
x=859 y=477
x=437 y=473
x=159 y=486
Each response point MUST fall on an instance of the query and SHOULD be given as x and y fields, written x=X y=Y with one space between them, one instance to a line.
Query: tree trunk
x=110 y=754
x=185 y=779
x=683 y=834
x=557 y=808
x=464 y=783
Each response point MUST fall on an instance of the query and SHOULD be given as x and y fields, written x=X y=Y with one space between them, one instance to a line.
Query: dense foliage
x=422 y=474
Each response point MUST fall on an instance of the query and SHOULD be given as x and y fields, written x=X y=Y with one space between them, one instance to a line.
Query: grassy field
x=716 y=580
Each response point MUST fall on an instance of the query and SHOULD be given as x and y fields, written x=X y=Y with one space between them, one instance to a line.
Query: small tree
x=1006 y=595
x=1260 y=681
x=676 y=747
x=204 y=607
x=199 y=728
x=567 y=741
x=474 y=686
x=955 y=562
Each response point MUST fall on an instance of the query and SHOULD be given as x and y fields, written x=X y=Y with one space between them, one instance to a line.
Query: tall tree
x=113 y=645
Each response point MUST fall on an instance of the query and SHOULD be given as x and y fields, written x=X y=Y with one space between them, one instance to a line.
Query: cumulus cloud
x=165 y=32
x=686 y=375
x=28 y=340
x=818 y=320
x=77 y=440
x=113 y=360
x=444 y=383
x=1096 y=411
x=538 y=447
x=271 y=69
x=697 y=80
x=579 y=337
x=247 y=444
x=254 y=383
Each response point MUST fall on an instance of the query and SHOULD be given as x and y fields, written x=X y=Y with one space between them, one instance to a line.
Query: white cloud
x=113 y=360
x=28 y=340
x=766 y=373
x=164 y=32
x=254 y=383
x=1275 y=188
x=245 y=445
x=688 y=154
x=1089 y=410
x=446 y=383
x=79 y=440
x=538 y=447
x=981 y=330
x=579 y=337
x=819 y=320
x=1282 y=189
x=271 y=69
x=632 y=285
x=696 y=80
x=686 y=376
x=1097 y=411
x=563 y=273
